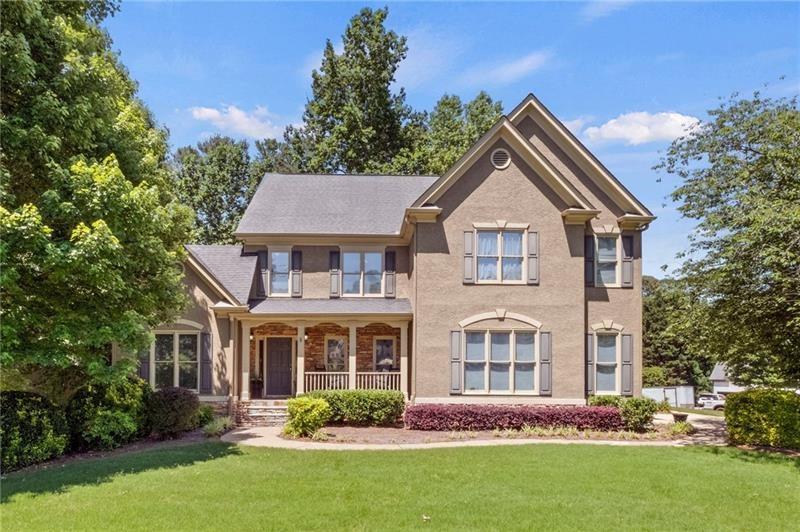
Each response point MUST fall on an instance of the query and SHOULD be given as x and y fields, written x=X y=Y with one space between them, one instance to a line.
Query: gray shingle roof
x=719 y=373
x=332 y=306
x=331 y=204
x=228 y=266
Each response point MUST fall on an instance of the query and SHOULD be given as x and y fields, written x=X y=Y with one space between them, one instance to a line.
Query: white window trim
x=375 y=351
x=270 y=251
x=618 y=269
x=175 y=361
x=618 y=373
x=362 y=250
x=500 y=227
x=512 y=361
x=346 y=352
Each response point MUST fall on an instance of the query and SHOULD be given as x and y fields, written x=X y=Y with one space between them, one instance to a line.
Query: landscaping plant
x=489 y=417
x=306 y=416
x=764 y=417
x=205 y=415
x=638 y=412
x=32 y=430
x=363 y=407
x=218 y=426
x=172 y=411
x=605 y=400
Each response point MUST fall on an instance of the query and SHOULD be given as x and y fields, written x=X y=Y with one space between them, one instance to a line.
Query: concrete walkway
x=708 y=434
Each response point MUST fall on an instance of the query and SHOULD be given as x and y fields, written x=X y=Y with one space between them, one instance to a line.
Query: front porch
x=282 y=358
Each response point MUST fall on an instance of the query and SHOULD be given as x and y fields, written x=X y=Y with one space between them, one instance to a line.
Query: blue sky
x=624 y=76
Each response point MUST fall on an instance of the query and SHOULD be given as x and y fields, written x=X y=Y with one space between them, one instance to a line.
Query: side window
x=176 y=360
x=500 y=256
x=279 y=272
x=607 y=258
x=606 y=372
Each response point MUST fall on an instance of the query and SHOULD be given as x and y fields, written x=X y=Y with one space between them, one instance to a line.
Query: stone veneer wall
x=364 y=344
x=315 y=345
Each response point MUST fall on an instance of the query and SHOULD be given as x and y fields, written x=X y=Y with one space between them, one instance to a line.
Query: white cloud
x=431 y=55
x=642 y=127
x=506 y=72
x=258 y=124
x=596 y=9
x=576 y=125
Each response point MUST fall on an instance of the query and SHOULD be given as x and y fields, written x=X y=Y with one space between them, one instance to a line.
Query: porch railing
x=378 y=380
x=326 y=380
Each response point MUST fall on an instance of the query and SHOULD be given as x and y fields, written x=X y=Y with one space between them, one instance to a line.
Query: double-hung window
x=362 y=273
x=384 y=353
x=607 y=365
x=175 y=360
x=500 y=362
x=607 y=258
x=279 y=261
x=500 y=256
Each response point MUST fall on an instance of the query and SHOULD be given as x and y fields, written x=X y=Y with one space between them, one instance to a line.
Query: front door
x=279 y=366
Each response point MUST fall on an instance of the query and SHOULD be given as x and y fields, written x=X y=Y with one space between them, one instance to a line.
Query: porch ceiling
x=343 y=306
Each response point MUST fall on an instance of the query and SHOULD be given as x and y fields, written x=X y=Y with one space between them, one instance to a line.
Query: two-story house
x=515 y=277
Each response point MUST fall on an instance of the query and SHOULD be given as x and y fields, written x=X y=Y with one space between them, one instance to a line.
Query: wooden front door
x=279 y=366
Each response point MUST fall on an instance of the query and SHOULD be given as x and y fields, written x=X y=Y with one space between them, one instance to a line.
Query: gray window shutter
x=469 y=257
x=261 y=286
x=336 y=274
x=455 y=362
x=627 y=261
x=590 y=364
x=205 y=363
x=627 y=364
x=297 y=273
x=533 y=257
x=545 y=363
x=144 y=365
x=588 y=254
x=390 y=265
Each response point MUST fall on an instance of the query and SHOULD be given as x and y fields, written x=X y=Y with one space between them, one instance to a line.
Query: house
x=515 y=277
x=719 y=379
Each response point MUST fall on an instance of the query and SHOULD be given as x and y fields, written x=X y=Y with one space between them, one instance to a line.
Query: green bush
x=363 y=407
x=172 y=411
x=107 y=415
x=218 y=426
x=306 y=415
x=681 y=428
x=764 y=417
x=605 y=400
x=205 y=415
x=32 y=430
x=638 y=412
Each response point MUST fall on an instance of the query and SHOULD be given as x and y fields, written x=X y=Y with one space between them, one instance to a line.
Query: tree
x=354 y=121
x=673 y=339
x=91 y=236
x=740 y=173
x=216 y=180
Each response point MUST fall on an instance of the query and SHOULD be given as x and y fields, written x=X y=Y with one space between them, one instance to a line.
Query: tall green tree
x=216 y=180
x=673 y=351
x=740 y=173
x=91 y=236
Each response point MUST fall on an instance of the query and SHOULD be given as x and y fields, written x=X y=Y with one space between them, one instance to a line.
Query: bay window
x=500 y=362
x=362 y=273
x=500 y=256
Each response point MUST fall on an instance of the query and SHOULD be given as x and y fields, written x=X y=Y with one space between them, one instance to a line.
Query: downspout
x=415 y=319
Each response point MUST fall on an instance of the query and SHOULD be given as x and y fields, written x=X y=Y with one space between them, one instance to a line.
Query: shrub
x=205 y=415
x=218 y=426
x=32 y=430
x=681 y=428
x=107 y=415
x=764 y=417
x=306 y=415
x=605 y=400
x=363 y=407
x=172 y=411
x=488 y=417
x=638 y=412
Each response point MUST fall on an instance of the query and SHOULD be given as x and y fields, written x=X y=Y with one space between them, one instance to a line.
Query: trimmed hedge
x=363 y=407
x=306 y=415
x=764 y=417
x=32 y=430
x=105 y=416
x=172 y=411
x=489 y=417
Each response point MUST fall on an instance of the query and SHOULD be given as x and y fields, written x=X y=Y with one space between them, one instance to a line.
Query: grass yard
x=704 y=411
x=214 y=485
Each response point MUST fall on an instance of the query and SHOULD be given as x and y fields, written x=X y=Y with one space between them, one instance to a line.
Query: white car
x=711 y=401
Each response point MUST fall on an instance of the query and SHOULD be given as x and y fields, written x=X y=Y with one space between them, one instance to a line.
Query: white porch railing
x=326 y=380
x=378 y=380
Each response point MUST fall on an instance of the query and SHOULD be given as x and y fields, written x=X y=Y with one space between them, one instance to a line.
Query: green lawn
x=218 y=486
x=704 y=411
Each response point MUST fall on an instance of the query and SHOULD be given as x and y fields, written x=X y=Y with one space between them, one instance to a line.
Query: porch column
x=351 y=347
x=404 y=358
x=245 y=347
x=301 y=359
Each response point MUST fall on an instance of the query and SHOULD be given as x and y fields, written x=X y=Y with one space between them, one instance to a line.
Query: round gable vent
x=501 y=159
